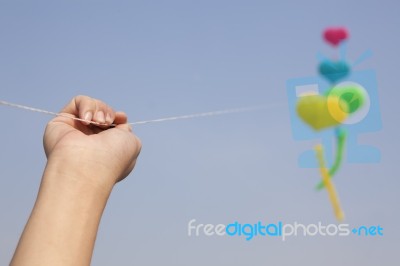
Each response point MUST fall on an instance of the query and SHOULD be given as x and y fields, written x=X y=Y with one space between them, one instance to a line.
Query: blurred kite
x=330 y=110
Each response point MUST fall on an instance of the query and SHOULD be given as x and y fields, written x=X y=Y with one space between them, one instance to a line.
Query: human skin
x=84 y=162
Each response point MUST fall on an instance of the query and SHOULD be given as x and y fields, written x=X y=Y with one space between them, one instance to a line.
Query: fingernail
x=100 y=117
x=108 y=119
x=88 y=116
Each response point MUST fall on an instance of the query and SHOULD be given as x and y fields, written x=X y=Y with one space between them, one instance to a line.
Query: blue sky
x=159 y=58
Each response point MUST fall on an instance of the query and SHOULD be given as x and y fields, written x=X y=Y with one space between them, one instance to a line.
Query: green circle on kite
x=354 y=96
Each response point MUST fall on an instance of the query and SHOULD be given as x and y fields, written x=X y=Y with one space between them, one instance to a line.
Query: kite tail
x=333 y=197
x=340 y=145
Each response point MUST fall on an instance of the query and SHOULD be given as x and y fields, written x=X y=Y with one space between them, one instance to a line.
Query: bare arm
x=84 y=163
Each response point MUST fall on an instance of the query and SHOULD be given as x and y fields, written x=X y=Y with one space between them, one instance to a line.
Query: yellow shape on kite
x=333 y=197
x=321 y=112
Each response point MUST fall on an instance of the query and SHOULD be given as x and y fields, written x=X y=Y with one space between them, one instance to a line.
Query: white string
x=189 y=116
x=32 y=109
x=214 y=113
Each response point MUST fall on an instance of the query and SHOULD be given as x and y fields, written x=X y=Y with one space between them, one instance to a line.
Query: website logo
x=280 y=230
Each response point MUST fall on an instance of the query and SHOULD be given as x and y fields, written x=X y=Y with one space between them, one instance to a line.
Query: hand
x=84 y=163
x=108 y=154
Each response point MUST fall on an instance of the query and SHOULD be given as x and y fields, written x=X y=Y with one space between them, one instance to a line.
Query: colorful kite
x=330 y=110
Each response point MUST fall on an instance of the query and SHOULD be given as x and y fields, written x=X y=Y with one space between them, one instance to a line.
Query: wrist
x=79 y=170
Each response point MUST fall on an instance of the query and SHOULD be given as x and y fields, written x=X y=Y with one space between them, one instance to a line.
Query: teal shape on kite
x=334 y=71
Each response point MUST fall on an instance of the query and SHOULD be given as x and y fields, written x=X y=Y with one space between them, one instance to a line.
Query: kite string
x=189 y=116
x=32 y=109
x=213 y=113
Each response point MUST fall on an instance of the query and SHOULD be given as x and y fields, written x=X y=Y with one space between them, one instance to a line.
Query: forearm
x=84 y=163
x=64 y=222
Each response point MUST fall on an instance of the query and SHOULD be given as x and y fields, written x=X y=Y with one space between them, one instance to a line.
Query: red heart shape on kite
x=335 y=35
